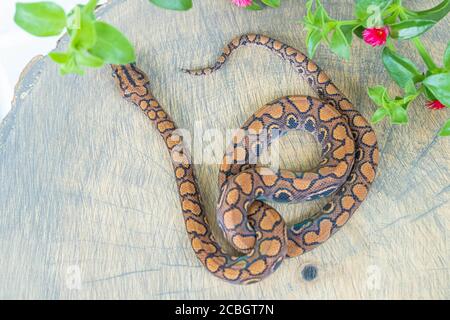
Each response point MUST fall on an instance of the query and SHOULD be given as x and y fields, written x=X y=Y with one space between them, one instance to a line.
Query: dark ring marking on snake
x=346 y=171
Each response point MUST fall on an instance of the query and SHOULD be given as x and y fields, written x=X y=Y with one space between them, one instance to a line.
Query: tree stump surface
x=88 y=202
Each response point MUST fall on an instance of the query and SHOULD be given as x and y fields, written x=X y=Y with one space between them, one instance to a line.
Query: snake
x=347 y=169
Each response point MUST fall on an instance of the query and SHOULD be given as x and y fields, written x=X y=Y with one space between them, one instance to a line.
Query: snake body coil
x=347 y=169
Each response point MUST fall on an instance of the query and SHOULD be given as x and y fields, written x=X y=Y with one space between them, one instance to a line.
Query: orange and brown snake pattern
x=346 y=170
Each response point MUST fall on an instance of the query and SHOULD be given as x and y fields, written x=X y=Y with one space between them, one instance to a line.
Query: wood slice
x=88 y=202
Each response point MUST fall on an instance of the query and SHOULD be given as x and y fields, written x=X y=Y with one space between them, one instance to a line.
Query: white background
x=17 y=48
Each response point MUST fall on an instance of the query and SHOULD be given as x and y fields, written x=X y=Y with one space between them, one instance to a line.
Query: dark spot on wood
x=309 y=272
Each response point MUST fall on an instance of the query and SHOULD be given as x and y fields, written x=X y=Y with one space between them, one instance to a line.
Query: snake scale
x=346 y=170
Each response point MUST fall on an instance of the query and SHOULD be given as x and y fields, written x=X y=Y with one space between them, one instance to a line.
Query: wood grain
x=88 y=203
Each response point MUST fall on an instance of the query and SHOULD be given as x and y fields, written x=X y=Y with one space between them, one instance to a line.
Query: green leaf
x=436 y=13
x=72 y=61
x=309 y=13
x=321 y=17
x=358 y=31
x=272 y=3
x=410 y=88
x=379 y=115
x=316 y=22
x=86 y=59
x=90 y=6
x=112 y=46
x=253 y=7
x=42 y=19
x=71 y=67
x=447 y=57
x=398 y=114
x=371 y=11
x=83 y=34
x=391 y=18
x=60 y=57
x=347 y=30
x=406 y=100
x=445 y=131
x=339 y=44
x=312 y=42
x=410 y=28
x=399 y=68
x=439 y=85
x=378 y=95
x=428 y=94
x=180 y=5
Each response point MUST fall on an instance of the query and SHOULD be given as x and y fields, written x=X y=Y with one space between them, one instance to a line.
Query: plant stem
x=390 y=45
x=419 y=45
x=348 y=22
x=424 y=54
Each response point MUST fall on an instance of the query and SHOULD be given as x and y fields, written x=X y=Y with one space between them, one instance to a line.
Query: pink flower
x=435 y=105
x=242 y=3
x=376 y=36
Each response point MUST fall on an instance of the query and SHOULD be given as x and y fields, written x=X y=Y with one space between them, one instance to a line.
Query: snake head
x=131 y=81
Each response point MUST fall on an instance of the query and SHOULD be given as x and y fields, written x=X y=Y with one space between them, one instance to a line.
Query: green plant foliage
x=339 y=44
x=92 y=43
x=445 y=131
x=272 y=3
x=403 y=24
x=436 y=13
x=439 y=85
x=179 y=5
x=369 y=11
x=447 y=57
x=254 y=7
x=321 y=28
x=410 y=28
x=399 y=68
x=112 y=46
x=42 y=19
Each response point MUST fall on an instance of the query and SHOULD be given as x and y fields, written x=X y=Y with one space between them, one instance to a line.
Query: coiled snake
x=347 y=169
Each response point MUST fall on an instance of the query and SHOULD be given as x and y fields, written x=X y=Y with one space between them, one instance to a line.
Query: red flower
x=376 y=36
x=242 y=3
x=435 y=105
